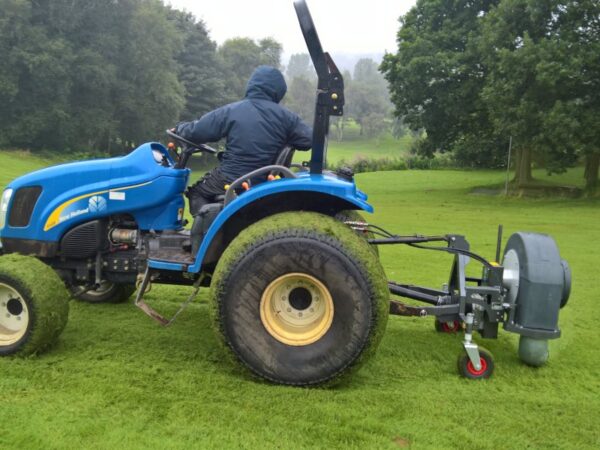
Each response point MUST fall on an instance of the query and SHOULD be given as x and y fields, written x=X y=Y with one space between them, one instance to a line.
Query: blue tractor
x=297 y=291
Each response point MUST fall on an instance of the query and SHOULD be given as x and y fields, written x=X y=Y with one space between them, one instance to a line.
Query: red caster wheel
x=448 y=327
x=468 y=370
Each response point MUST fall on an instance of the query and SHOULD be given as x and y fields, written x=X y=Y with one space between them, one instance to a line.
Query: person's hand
x=177 y=129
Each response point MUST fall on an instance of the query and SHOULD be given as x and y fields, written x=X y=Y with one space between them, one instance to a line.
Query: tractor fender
x=322 y=193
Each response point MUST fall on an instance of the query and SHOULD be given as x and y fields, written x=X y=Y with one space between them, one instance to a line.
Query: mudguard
x=322 y=183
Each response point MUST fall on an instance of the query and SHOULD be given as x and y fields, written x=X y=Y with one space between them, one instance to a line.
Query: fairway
x=118 y=380
x=383 y=147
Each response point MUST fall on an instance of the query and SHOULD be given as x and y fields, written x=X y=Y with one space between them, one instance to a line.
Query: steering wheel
x=201 y=147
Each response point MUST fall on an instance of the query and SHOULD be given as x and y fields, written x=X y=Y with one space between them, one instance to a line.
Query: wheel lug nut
x=289 y=310
x=299 y=314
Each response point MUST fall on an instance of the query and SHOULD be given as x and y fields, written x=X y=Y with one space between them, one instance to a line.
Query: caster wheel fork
x=475 y=362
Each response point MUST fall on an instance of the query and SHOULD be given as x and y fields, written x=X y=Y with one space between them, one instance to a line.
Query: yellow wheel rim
x=14 y=315
x=296 y=309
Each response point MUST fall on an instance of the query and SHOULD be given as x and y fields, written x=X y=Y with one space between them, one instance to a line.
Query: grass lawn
x=384 y=146
x=117 y=380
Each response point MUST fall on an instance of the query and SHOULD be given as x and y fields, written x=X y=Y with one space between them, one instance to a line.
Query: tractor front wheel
x=34 y=305
x=107 y=292
x=300 y=299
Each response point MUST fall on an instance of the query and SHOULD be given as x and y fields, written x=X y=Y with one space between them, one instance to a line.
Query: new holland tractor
x=297 y=292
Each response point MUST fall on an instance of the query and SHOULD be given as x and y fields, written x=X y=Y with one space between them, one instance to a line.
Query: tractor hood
x=47 y=202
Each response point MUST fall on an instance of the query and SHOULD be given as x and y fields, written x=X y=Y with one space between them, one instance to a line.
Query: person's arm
x=300 y=136
x=210 y=127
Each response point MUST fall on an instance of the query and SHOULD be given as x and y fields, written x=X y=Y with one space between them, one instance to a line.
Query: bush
x=361 y=164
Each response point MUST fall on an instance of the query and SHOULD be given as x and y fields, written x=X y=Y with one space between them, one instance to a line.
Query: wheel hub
x=14 y=315
x=102 y=289
x=471 y=368
x=296 y=309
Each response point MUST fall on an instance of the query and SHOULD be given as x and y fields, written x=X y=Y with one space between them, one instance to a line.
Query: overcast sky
x=345 y=26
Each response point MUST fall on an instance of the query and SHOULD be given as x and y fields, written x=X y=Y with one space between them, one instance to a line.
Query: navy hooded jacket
x=257 y=128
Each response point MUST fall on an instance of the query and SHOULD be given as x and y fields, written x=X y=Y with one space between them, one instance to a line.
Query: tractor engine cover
x=538 y=283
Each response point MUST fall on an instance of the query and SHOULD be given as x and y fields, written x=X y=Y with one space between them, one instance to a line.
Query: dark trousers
x=206 y=189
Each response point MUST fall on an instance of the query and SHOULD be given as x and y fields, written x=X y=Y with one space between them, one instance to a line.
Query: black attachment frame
x=483 y=297
x=330 y=87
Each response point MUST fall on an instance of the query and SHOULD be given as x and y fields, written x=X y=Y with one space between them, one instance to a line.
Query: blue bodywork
x=146 y=185
x=326 y=184
x=136 y=184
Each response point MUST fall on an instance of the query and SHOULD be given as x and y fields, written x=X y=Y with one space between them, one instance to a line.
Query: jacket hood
x=266 y=83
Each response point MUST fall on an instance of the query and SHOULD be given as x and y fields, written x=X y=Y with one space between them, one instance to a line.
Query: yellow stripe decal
x=54 y=217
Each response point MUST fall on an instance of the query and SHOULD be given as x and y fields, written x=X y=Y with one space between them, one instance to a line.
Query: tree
x=149 y=98
x=240 y=56
x=103 y=75
x=538 y=90
x=473 y=73
x=302 y=85
x=270 y=52
x=300 y=66
x=367 y=96
x=580 y=24
x=199 y=69
x=34 y=79
x=436 y=77
x=301 y=97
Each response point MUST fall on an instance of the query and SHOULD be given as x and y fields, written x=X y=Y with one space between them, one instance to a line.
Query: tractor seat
x=285 y=157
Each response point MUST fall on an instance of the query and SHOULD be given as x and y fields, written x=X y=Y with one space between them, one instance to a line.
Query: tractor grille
x=22 y=206
x=84 y=240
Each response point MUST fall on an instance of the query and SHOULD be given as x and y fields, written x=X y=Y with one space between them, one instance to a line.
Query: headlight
x=4 y=206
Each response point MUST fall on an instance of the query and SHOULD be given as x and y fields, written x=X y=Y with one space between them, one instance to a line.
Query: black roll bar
x=330 y=88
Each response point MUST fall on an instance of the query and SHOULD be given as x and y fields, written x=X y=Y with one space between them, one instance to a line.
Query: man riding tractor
x=256 y=128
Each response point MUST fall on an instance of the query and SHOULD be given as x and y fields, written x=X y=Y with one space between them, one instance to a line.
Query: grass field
x=117 y=380
x=385 y=146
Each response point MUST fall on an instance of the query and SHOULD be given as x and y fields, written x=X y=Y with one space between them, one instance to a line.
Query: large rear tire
x=300 y=299
x=34 y=305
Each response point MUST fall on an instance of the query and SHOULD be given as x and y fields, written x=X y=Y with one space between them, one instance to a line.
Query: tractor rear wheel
x=107 y=292
x=300 y=299
x=34 y=305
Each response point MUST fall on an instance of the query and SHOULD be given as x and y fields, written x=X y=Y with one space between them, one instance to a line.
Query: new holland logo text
x=73 y=214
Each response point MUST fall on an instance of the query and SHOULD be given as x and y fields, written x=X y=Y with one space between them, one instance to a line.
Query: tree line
x=103 y=76
x=367 y=100
x=476 y=73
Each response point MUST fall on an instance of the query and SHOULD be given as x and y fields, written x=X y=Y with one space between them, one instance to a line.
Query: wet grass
x=385 y=146
x=118 y=380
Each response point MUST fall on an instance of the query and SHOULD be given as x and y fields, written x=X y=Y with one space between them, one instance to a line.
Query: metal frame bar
x=458 y=300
